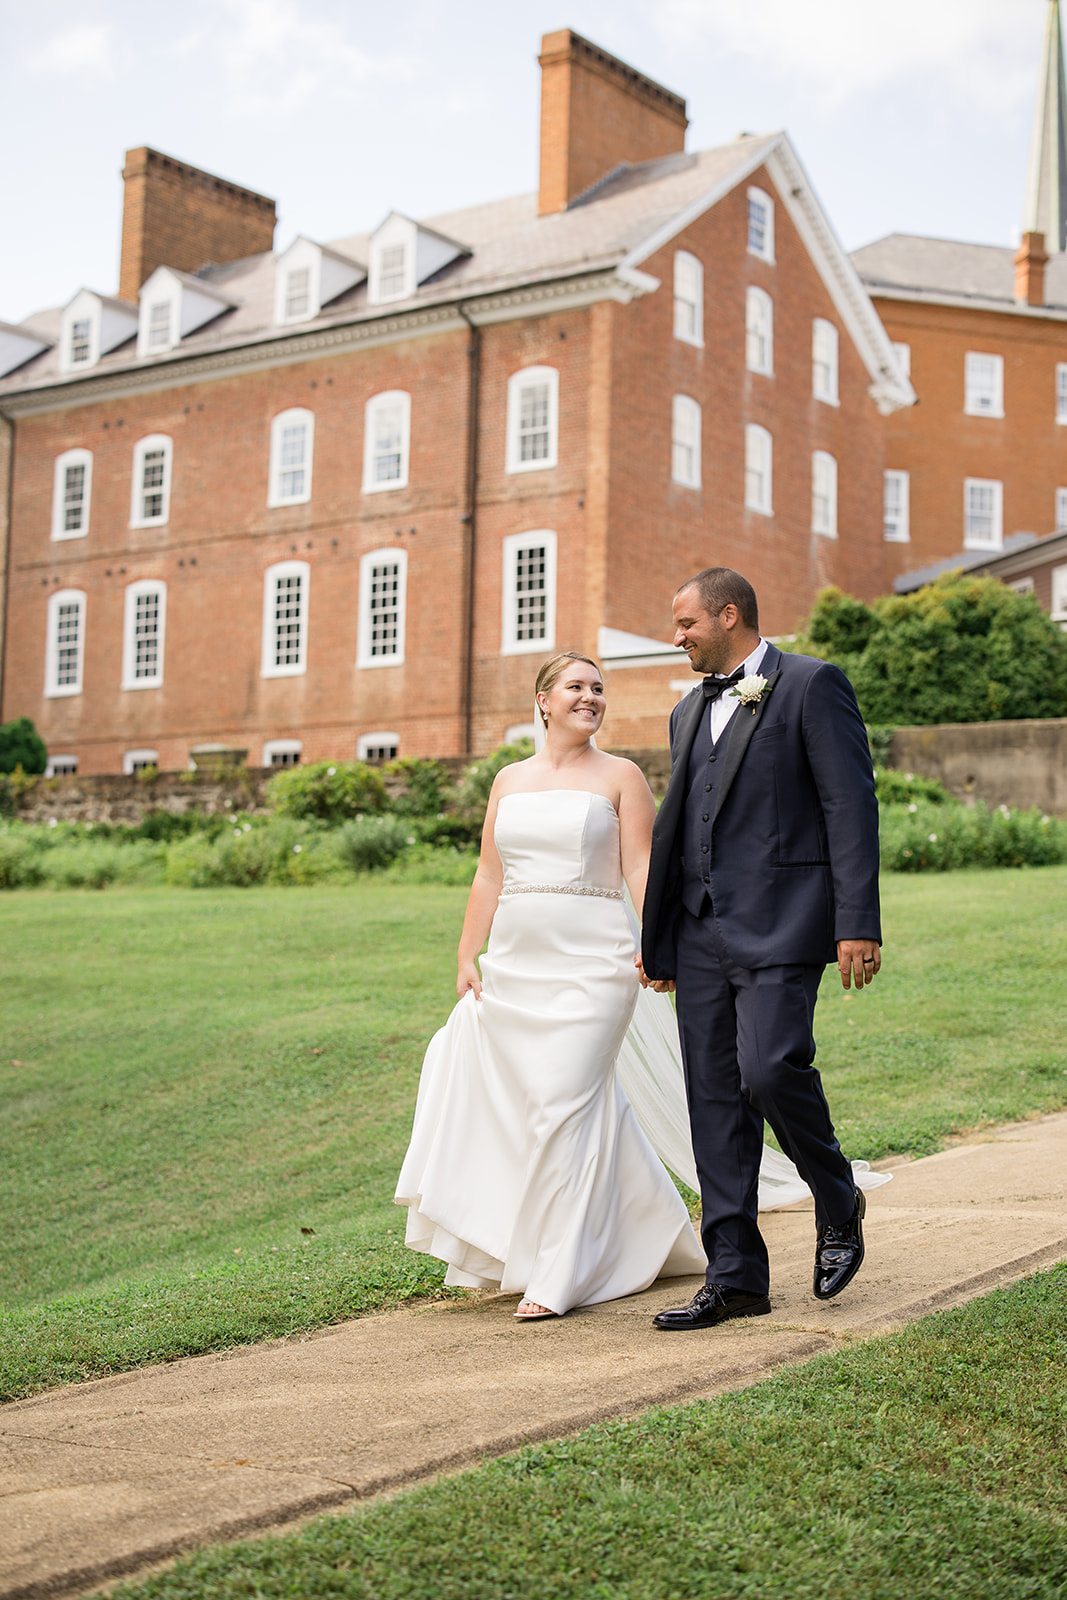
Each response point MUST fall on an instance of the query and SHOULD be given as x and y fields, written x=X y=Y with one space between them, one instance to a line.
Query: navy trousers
x=748 y=1051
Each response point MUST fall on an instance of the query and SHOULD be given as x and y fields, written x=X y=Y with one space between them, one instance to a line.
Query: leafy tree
x=961 y=649
x=22 y=746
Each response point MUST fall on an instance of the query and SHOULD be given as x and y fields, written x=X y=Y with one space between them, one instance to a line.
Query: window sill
x=384 y=488
x=62 y=694
x=516 y=467
x=372 y=662
x=528 y=647
x=143 y=683
x=990 y=416
x=61 y=538
x=283 y=672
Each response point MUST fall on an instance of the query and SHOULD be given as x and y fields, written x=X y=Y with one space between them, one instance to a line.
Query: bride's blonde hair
x=553 y=669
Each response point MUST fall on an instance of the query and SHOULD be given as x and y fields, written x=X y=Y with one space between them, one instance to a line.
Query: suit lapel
x=688 y=723
x=749 y=721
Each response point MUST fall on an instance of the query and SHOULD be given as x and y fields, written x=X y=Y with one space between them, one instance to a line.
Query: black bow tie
x=714 y=686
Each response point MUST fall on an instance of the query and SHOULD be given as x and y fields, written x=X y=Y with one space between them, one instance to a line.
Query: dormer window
x=81 y=347
x=159 y=325
x=297 y=293
x=403 y=255
x=307 y=277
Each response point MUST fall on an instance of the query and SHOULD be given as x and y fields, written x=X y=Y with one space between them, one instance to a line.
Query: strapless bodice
x=560 y=838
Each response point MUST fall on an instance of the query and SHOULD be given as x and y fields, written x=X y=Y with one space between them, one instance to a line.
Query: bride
x=528 y=1169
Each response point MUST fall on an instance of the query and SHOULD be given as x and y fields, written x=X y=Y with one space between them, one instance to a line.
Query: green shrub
x=277 y=850
x=332 y=791
x=423 y=863
x=929 y=837
x=21 y=859
x=86 y=864
x=901 y=788
x=417 y=788
x=369 y=842
x=22 y=746
x=472 y=795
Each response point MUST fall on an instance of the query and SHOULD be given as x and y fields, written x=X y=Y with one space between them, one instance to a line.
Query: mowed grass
x=928 y=1462
x=207 y=1095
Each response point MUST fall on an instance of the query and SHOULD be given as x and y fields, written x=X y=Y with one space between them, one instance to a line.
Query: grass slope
x=929 y=1461
x=192 y=1080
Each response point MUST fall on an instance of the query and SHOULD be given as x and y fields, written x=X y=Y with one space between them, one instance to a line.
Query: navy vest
x=702 y=782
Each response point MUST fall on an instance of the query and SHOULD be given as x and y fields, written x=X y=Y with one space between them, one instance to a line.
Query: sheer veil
x=649 y=1067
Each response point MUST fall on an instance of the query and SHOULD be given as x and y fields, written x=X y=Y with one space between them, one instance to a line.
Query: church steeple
x=1046 y=188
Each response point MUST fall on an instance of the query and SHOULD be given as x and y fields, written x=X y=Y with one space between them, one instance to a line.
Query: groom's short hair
x=722 y=586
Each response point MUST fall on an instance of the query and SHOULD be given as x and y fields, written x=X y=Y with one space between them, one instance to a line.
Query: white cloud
x=985 y=48
x=81 y=49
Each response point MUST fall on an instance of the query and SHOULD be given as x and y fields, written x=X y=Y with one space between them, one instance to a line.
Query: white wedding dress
x=528 y=1169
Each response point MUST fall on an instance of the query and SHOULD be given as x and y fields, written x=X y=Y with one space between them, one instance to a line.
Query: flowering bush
x=927 y=837
x=369 y=842
x=332 y=791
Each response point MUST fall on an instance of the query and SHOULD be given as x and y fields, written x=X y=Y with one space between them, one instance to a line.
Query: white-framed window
x=688 y=298
x=285 y=619
x=533 y=419
x=685 y=441
x=896 y=514
x=824 y=494
x=386 y=441
x=759 y=468
x=72 y=485
x=1061 y=391
x=393 y=271
x=81 y=342
x=282 y=753
x=143 y=634
x=135 y=761
x=160 y=318
x=824 y=361
x=520 y=730
x=377 y=747
x=383 y=580
x=529 y=593
x=61 y=767
x=65 y=643
x=150 y=497
x=292 y=445
x=1022 y=585
x=759 y=331
x=296 y=298
x=983 y=385
x=983 y=514
x=903 y=354
x=1061 y=510
x=1058 y=607
x=760 y=225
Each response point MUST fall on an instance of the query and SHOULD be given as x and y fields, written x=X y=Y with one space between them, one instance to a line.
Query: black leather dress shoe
x=839 y=1252
x=711 y=1305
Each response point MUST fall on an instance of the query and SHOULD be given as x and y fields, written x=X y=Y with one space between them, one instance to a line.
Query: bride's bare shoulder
x=514 y=778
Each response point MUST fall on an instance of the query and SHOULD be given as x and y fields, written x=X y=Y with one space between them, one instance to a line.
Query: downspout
x=469 y=518
x=7 y=449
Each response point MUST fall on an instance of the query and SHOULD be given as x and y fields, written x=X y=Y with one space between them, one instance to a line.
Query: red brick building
x=344 y=499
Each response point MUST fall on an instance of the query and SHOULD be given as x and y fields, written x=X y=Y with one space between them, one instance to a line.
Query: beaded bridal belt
x=561 y=888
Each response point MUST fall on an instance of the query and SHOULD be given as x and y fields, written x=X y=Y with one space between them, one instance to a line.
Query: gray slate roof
x=510 y=246
x=940 y=270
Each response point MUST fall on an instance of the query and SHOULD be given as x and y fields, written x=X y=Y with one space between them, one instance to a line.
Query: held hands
x=469 y=977
x=859 y=960
x=661 y=985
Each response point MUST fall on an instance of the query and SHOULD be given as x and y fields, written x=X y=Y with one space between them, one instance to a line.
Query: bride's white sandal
x=538 y=1313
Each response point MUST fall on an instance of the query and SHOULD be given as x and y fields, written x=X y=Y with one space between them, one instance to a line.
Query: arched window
x=685 y=441
x=688 y=298
x=759 y=331
x=72 y=486
x=759 y=463
x=65 y=643
x=533 y=420
x=529 y=597
x=382 y=605
x=150 y=496
x=761 y=225
x=386 y=441
x=292 y=442
x=824 y=361
x=144 y=630
x=285 y=619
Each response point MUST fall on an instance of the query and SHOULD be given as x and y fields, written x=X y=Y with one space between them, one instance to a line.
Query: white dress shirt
x=724 y=707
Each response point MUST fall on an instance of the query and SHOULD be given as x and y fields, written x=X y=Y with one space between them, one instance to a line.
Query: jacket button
x=707 y=788
x=713 y=758
x=704 y=849
x=704 y=818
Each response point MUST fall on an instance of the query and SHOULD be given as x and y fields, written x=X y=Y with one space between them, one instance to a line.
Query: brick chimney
x=176 y=216
x=1031 y=260
x=596 y=112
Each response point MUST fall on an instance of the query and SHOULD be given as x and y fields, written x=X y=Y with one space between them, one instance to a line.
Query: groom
x=764 y=868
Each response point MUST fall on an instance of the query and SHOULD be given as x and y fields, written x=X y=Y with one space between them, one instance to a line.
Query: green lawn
x=928 y=1462
x=193 y=1080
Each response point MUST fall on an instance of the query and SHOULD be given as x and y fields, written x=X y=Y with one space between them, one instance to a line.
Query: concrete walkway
x=105 y=1478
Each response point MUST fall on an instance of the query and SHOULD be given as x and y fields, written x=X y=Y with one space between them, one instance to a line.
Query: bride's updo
x=554 y=669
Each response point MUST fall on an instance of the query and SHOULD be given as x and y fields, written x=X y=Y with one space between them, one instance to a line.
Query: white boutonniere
x=750 y=690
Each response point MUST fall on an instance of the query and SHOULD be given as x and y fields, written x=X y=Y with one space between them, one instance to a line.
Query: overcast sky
x=910 y=115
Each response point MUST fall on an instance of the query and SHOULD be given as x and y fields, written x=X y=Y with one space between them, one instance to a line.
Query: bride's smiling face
x=576 y=699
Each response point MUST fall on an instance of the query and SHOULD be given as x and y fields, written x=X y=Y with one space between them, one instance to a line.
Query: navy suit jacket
x=794 y=835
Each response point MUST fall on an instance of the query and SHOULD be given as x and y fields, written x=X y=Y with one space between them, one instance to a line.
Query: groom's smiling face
x=706 y=640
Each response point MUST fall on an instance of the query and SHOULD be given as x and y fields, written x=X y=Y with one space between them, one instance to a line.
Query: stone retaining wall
x=1003 y=763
